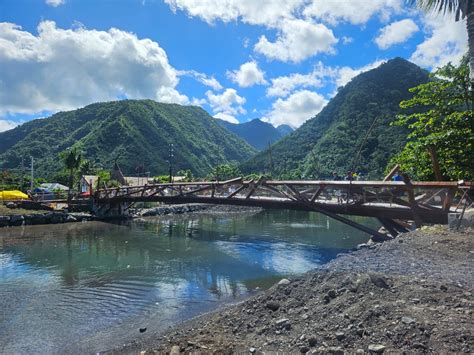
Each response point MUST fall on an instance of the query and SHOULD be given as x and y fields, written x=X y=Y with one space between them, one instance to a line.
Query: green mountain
x=257 y=133
x=135 y=132
x=356 y=119
x=284 y=129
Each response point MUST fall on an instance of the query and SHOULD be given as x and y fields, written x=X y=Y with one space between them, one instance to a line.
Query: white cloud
x=55 y=3
x=284 y=85
x=296 y=109
x=297 y=40
x=264 y=12
x=228 y=103
x=63 y=69
x=446 y=42
x=226 y=117
x=344 y=74
x=248 y=75
x=347 y=40
x=357 y=12
x=396 y=32
x=203 y=78
x=5 y=125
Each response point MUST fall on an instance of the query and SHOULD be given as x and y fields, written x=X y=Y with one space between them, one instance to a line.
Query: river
x=90 y=287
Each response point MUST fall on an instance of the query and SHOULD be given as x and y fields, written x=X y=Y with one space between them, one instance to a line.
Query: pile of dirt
x=413 y=293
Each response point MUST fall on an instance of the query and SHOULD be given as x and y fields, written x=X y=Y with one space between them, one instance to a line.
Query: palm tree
x=72 y=160
x=461 y=9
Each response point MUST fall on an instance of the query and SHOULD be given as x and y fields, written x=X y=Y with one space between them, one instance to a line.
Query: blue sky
x=279 y=60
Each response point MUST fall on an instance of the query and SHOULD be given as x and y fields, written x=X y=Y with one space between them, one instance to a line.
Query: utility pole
x=22 y=173
x=32 y=172
x=170 y=160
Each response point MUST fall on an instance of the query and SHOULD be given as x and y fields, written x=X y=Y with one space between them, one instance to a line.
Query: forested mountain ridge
x=136 y=133
x=257 y=133
x=357 y=118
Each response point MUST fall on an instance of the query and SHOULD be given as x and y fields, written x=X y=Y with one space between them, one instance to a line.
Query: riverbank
x=413 y=293
x=20 y=217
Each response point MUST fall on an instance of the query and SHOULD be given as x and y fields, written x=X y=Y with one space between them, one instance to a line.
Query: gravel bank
x=413 y=293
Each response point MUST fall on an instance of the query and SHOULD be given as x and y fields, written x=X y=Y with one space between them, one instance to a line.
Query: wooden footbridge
x=397 y=205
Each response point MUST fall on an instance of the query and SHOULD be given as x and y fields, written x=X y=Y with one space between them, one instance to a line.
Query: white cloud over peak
x=62 y=69
x=296 y=109
x=249 y=74
x=395 y=33
x=345 y=74
x=297 y=40
x=356 y=12
x=283 y=85
x=226 y=105
x=55 y=3
x=446 y=42
x=226 y=117
x=6 y=125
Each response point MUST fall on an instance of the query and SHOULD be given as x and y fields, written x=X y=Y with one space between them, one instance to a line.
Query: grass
x=5 y=211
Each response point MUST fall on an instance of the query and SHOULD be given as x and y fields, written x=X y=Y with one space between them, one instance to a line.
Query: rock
x=4 y=221
x=443 y=288
x=70 y=218
x=312 y=341
x=362 y=246
x=376 y=348
x=340 y=336
x=273 y=306
x=332 y=293
x=360 y=351
x=284 y=282
x=17 y=220
x=408 y=320
x=335 y=350
x=10 y=204
x=252 y=350
x=142 y=330
x=304 y=349
x=175 y=349
x=379 y=281
x=281 y=322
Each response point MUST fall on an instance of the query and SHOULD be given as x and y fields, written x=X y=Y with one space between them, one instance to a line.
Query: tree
x=223 y=172
x=462 y=9
x=72 y=159
x=442 y=126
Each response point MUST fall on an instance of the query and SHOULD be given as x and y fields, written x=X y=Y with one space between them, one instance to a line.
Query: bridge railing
x=423 y=195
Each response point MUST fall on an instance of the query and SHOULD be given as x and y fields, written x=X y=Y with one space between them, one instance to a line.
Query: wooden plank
x=392 y=173
x=448 y=200
x=237 y=191
x=317 y=193
x=254 y=187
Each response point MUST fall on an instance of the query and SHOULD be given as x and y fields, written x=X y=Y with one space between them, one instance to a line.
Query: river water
x=89 y=287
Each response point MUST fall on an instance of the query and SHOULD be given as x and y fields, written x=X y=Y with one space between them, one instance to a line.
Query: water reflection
x=63 y=286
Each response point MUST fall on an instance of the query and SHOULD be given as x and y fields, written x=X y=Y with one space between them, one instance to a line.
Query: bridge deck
x=423 y=202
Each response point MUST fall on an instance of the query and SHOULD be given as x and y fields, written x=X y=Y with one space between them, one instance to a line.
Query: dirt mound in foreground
x=413 y=293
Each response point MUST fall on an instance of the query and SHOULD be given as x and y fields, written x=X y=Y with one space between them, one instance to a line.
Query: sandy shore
x=413 y=293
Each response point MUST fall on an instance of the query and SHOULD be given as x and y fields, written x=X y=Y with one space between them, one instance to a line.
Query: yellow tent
x=13 y=195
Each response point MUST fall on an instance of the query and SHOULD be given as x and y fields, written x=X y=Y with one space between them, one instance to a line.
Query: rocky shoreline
x=413 y=294
x=56 y=217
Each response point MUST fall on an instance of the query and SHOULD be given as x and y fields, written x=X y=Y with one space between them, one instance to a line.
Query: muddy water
x=89 y=287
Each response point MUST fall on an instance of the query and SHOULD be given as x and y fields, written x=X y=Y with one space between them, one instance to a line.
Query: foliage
x=104 y=177
x=187 y=175
x=161 y=179
x=133 y=132
x=224 y=172
x=72 y=159
x=331 y=140
x=445 y=123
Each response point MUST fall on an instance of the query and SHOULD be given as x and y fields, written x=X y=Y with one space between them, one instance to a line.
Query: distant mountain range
x=136 y=133
x=257 y=133
x=352 y=132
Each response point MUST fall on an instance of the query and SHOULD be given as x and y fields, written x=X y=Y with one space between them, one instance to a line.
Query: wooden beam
x=392 y=173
